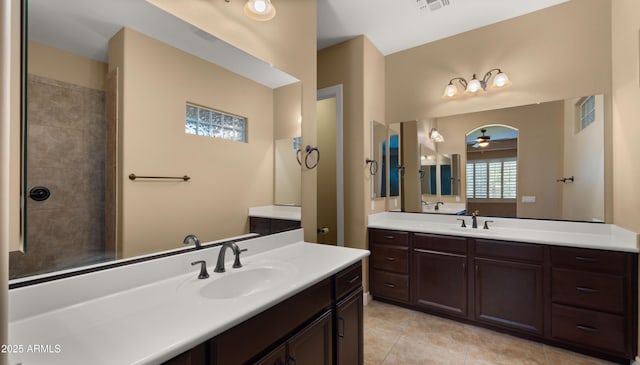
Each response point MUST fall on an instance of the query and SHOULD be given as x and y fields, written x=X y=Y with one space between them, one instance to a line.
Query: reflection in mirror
x=555 y=140
x=378 y=153
x=392 y=169
x=287 y=172
x=428 y=175
x=492 y=170
x=105 y=100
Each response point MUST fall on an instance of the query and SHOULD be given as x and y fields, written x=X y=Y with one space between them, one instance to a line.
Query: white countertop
x=562 y=233
x=290 y=212
x=107 y=318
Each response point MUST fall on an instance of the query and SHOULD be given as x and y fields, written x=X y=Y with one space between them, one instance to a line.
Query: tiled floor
x=399 y=336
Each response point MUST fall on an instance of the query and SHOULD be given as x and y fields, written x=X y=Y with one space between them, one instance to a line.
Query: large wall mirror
x=542 y=161
x=121 y=87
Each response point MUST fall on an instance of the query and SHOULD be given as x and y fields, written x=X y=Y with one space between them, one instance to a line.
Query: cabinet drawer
x=595 y=260
x=586 y=289
x=457 y=245
x=388 y=237
x=390 y=258
x=528 y=252
x=587 y=327
x=348 y=280
x=390 y=286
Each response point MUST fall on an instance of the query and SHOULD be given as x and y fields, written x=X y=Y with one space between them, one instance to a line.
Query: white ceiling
x=396 y=25
x=84 y=27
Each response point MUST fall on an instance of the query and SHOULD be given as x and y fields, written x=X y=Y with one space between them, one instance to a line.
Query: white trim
x=326 y=93
x=366 y=298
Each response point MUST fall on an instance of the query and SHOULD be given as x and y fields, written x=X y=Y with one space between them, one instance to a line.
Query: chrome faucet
x=223 y=249
x=194 y=238
x=438 y=204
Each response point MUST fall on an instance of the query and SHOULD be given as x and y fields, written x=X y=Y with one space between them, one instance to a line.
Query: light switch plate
x=528 y=198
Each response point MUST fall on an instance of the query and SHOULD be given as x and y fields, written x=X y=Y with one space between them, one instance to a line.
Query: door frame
x=327 y=93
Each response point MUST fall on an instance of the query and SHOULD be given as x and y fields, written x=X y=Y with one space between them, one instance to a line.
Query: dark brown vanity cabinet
x=593 y=301
x=321 y=325
x=508 y=289
x=439 y=279
x=389 y=264
x=584 y=299
x=311 y=345
x=262 y=226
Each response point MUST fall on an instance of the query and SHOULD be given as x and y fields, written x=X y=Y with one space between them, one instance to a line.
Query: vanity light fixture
x=476 y=86
x=435 y=136
x=261 y=10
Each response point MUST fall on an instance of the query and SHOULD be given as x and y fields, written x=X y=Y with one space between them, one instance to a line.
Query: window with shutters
x=492 y=179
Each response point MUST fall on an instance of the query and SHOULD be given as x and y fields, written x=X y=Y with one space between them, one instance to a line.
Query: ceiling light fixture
x=475 y=86
x=435 y=136
x=483 y=140
x=261 y=10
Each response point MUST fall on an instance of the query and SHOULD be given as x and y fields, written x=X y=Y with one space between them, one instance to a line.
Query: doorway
x=330 y=191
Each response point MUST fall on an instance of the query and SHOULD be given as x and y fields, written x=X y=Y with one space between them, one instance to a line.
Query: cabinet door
x=313 y=344
x=275 y=357
x=440 y=281
x=509 y=294
x=195 y=356
x=349 y=331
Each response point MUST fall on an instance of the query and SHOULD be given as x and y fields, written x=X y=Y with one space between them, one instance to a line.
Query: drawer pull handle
x=353 y=280
x=389 y=237
x=585 y=259
x=586 y=290
x=389 y=285
x=390 y=259
x=586 y=328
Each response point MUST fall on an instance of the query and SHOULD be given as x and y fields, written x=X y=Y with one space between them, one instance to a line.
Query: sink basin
x=234 y=284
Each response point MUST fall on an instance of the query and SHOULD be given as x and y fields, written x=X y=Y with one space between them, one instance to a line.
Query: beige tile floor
x=399 y=336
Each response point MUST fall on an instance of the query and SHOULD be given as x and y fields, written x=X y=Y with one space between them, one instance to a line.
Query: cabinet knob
x=390 y=259
x=389 y=285
x=586 y=290
x=585 y=259
x=389 y=237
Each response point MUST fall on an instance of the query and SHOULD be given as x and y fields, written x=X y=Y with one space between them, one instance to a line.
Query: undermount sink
x=244 y=282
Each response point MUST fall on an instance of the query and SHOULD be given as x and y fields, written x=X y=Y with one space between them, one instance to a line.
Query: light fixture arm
x=488 y=75
x=462 y=81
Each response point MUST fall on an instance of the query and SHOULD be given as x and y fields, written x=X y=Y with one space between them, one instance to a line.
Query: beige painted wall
x=327 y=174
x=14 y=149
x=359 y=67
x=287 y=118
x=576 y=33
x=287 y=111
x=584 y=159
x=287 y=173
x=626 y=111
x=539 y=151
x=226 y=177
x=545 y=63
x=64 y=66
x=288 y=42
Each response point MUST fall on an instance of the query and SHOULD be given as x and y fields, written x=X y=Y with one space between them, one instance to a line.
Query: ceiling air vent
x=432 y=5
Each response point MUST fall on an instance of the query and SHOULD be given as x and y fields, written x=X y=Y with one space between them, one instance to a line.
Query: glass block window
x=494 y=179
x=208 y=122
x=587 y=111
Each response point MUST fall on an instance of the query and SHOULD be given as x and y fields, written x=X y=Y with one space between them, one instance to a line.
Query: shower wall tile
x=66 y=143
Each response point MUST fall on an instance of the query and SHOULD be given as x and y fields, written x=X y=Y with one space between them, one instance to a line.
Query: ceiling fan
x=483 y=140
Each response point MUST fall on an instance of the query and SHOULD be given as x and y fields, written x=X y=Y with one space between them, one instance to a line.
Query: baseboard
x=366 y=298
